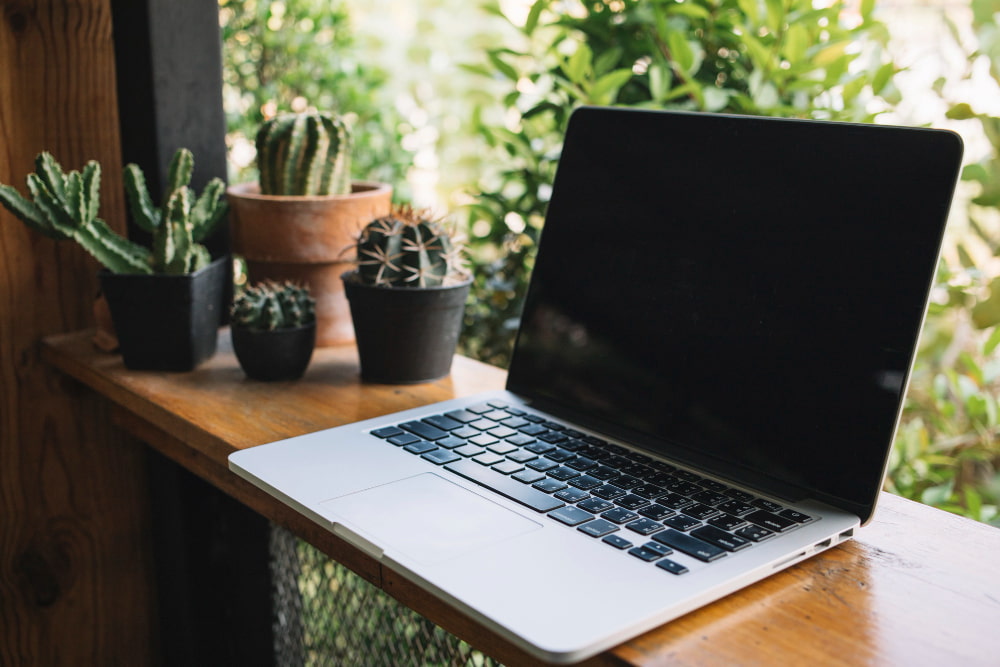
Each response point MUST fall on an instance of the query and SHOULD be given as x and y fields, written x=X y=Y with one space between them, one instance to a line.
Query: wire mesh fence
x=324 y=614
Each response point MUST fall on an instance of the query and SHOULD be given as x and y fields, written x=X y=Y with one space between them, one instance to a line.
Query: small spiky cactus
x=304 y=154
x=407 y=249
x=268 y=306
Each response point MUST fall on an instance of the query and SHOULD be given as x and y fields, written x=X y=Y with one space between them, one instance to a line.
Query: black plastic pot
x=405 y=335
x=167 y=322
x=282 y=354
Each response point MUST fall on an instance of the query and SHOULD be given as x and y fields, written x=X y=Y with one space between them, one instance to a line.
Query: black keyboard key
x=682 y=522
x=721 y=538
x=469 y=450
x=709 y=497
x=713 y=485
x=598 y=528
x=538 y=447
x=736 y=507
x=603 y=472
x=515 y=422
x=463 y=416
x=503 y=448
x=542 y=465
x=521 y=456
x=571 y=516
x=767 y=505
x=797 y=517
x=420 y=447
x=451 y=442
x=644 y=526
x=674 y=501
x=528 y=476
x=425 y=431
x=771 y=521
x=508 y=467
x=684 y=488
x=552 y=436
x=505 y=486
x=403 y=439
x=701 y=512
x=444 y=423
x=673 y=567
x=560 y=455
x=596 y=505
x=656 y=512
x=487 y=459
x=632 y=502
x=620 y=515
x=572 y=495
x=581 y=463
x=502 y=432
x=691 y=546
x=642 y=553
x=549 y=485
x=585 y=482
x=628 y=482
x=466 y=432
x=533 y=429
x=741 y=496
x=608 y=492
x=387 y=432
x=441 y=456
x=617 y=541
x=727 y=522
x=521 y=440
x=562 y=473
x=650 y=491
x=754 y=533
x=687 y=475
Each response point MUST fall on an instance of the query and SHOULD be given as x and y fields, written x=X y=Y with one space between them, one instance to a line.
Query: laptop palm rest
x=427 y=518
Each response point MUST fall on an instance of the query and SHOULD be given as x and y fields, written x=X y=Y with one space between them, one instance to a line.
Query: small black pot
x=167 y=322
x=405 y=335
x=282 y=354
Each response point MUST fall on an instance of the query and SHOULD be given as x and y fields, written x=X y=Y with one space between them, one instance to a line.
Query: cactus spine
x=304 y=154
x=64 y=206
x=405 y=248
x=182 y=221
x=268 y=306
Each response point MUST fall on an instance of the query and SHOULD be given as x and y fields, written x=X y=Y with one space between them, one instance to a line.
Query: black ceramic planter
x=283 y=354
x=405 y=335
x=167 y=322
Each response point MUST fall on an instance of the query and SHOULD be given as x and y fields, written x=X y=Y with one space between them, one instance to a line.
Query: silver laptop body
x=722 y=319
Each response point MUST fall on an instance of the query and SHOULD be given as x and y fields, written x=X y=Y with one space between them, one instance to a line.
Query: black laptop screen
x=739 y=292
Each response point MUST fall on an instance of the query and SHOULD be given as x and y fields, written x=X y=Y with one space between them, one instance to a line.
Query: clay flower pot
x=305 y=239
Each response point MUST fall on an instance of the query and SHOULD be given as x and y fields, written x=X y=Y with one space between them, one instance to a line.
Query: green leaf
x=796 y=43
x=502 y=66
x=660 y=79
x=986 y=314
x=680 y=51
x=992 y=342
x=533 y=15
x=605 y=89
x=578 y=65
x=961 y=111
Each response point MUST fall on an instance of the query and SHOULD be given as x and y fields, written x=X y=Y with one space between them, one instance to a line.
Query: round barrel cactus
x=268 y=306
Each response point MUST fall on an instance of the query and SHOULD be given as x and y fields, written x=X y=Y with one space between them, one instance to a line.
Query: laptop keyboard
x=630 y=501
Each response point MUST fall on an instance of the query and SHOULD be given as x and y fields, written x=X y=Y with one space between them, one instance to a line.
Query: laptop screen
x=741 y=293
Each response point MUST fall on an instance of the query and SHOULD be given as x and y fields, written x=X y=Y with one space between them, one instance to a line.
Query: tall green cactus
x=304 y=154
x=182 y=221
x=65 y=206
x=406 y=249
x=269 y=306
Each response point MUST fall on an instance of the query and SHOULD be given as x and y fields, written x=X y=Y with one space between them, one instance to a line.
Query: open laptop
x=711 y=364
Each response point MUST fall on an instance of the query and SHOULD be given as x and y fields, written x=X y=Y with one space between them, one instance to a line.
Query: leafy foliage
x=297 y=55
x=773 y=57
x=947 y=452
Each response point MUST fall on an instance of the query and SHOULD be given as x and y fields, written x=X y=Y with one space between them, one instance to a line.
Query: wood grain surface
x=917 y=586
x=75 y=583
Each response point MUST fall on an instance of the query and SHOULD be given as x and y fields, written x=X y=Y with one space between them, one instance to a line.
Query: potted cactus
x=273 y=327
x=296 y=222
x=407 y=297
x=166 y=301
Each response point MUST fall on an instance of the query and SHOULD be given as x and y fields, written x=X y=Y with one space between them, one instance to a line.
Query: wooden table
x=917 y=586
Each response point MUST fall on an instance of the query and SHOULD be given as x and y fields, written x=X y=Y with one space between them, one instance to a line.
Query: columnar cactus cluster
x=406 y=249
x=64 y=206
x=304 y=154
x=182 y=221
x=268 y=306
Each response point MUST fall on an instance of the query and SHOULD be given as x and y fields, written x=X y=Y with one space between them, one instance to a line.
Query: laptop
x=709 y=371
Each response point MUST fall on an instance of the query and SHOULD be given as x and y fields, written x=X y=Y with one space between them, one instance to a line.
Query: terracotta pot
x=308 y=240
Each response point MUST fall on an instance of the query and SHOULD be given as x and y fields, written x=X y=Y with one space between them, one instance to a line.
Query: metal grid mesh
x=324 y=614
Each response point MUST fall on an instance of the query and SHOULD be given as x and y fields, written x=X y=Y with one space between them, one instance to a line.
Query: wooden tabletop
x=917 y=586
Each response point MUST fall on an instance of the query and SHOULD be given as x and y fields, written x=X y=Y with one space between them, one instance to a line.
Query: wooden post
x=75 y=575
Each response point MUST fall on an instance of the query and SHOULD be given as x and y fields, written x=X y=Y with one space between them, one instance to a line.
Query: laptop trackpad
x=427 y=518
